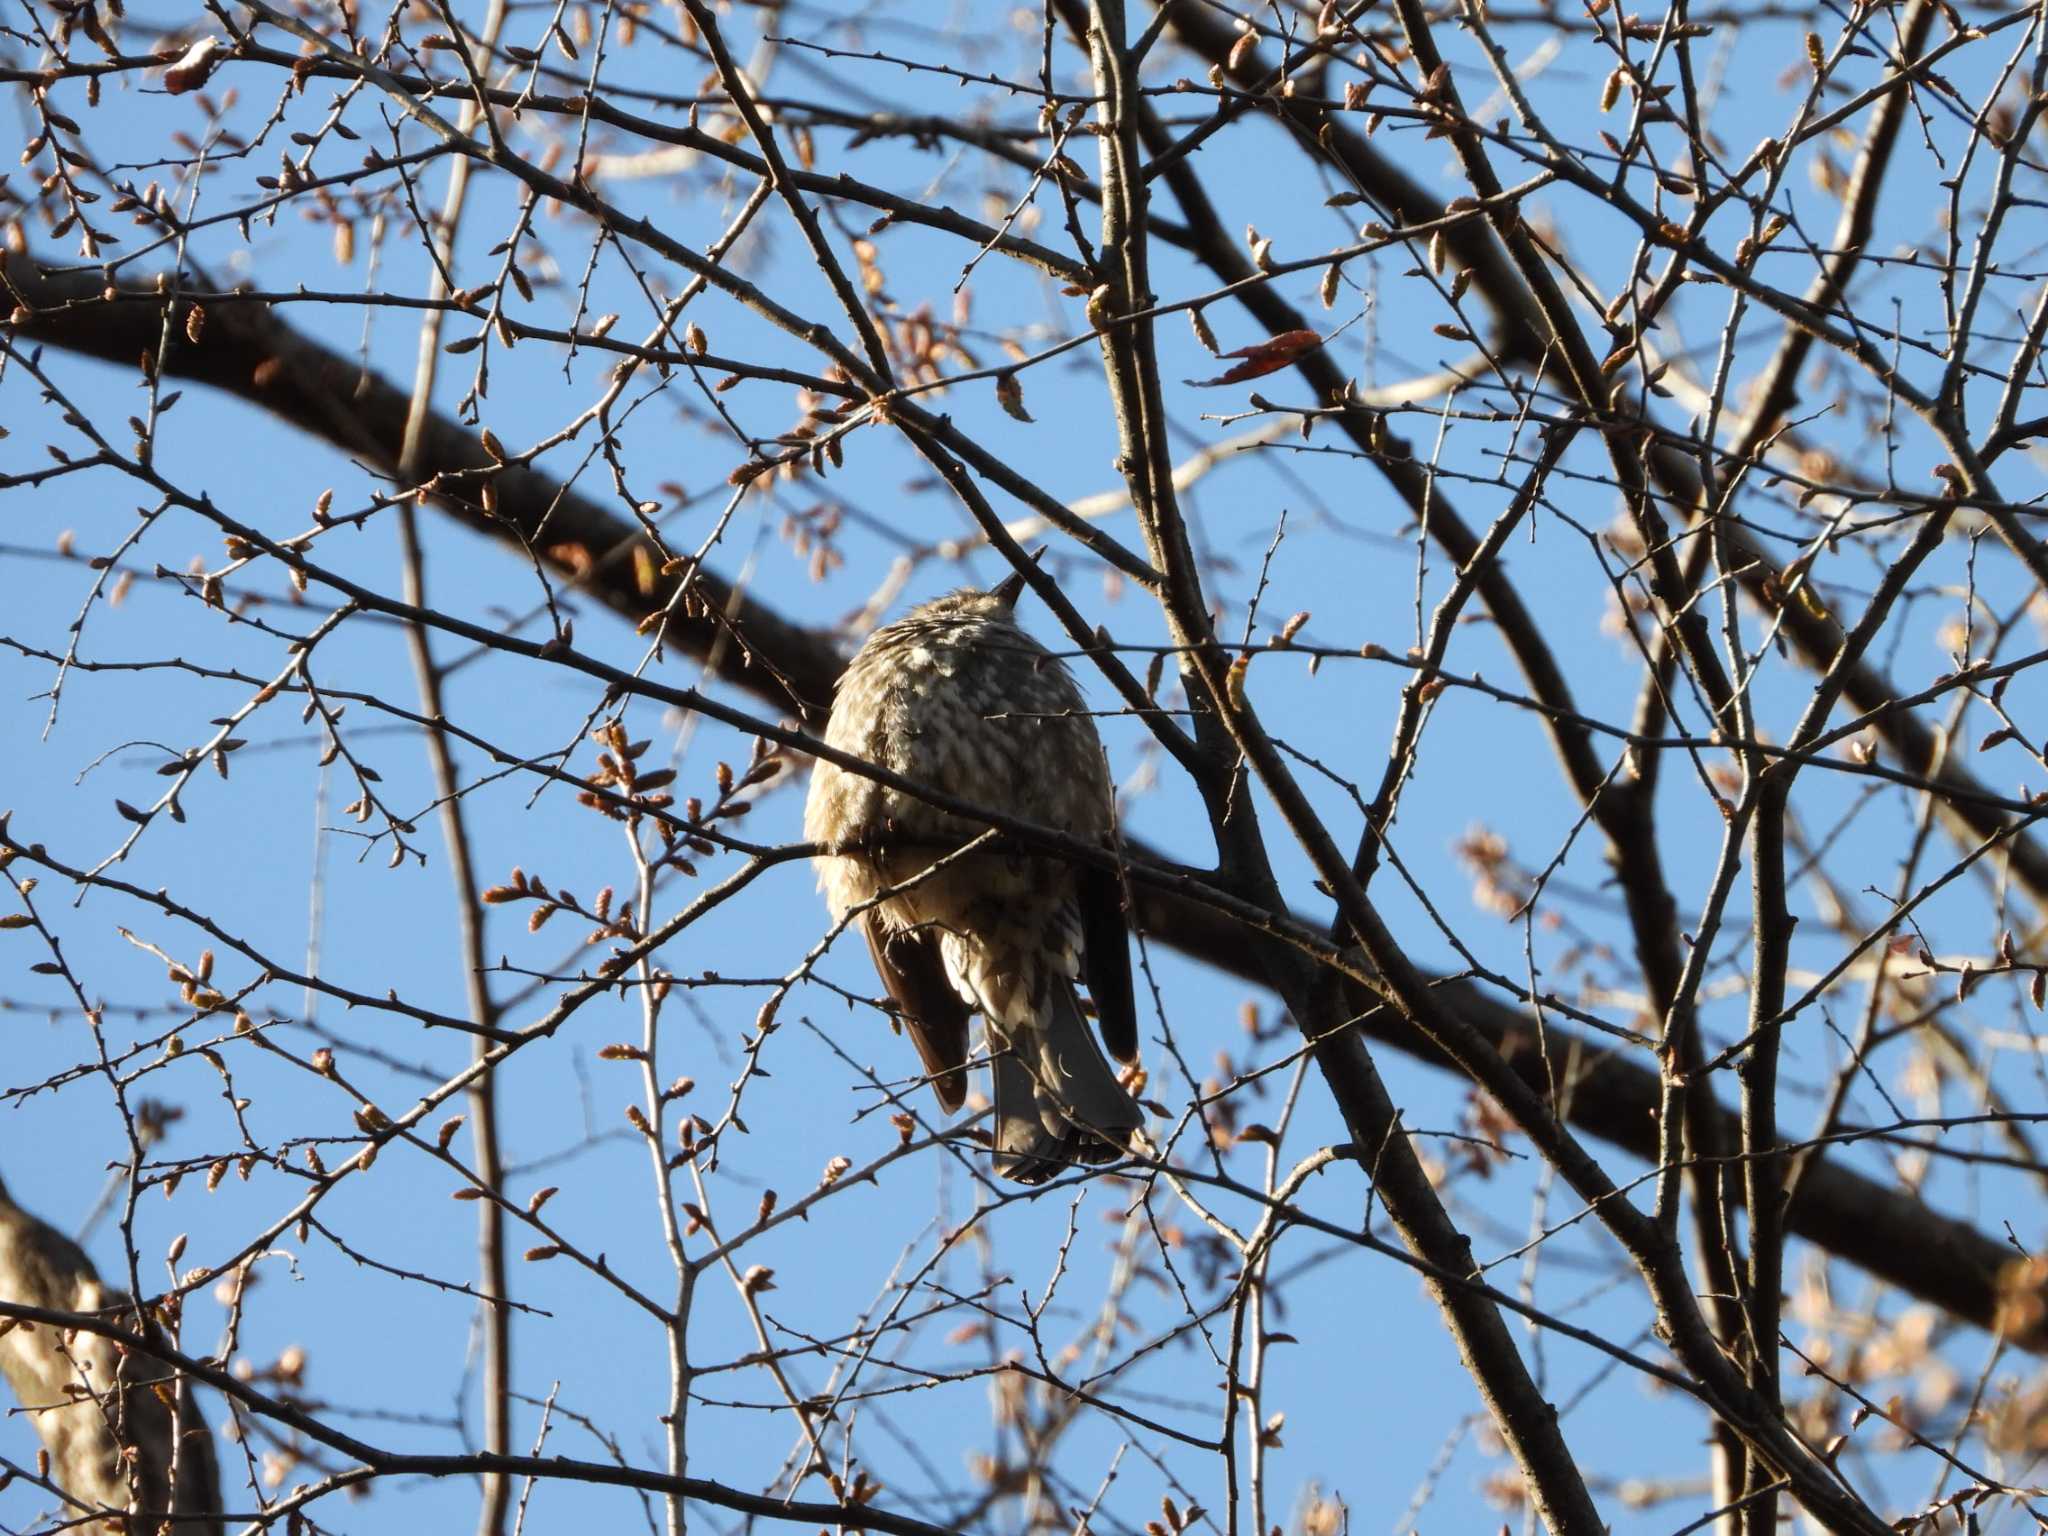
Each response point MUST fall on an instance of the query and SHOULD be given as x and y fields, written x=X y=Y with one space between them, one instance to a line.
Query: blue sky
x=1372 y=1391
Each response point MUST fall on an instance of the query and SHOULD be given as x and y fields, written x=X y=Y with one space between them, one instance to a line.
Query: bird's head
x=972 y=605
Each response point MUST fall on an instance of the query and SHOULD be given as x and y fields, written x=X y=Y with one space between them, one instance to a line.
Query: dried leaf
x=1010 y=395
x=193 y=67
x=1262 y=358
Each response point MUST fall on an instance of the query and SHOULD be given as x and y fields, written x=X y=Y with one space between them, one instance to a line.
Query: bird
x=957 y=697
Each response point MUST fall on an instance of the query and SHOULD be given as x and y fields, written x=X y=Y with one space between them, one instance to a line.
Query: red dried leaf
x=1268 y=356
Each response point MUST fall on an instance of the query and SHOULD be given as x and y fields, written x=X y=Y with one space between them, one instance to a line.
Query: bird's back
x=971 y=706
x=958 y=699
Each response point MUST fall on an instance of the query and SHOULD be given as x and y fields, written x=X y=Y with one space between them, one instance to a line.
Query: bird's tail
x=1057 y=1101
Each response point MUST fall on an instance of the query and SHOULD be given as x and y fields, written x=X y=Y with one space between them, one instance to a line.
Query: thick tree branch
x=93 y=1387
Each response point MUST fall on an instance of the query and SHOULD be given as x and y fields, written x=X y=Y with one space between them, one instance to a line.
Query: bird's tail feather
x=1057 y=1101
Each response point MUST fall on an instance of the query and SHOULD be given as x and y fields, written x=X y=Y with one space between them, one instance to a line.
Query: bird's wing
x=915 y=976
x=1107 y=961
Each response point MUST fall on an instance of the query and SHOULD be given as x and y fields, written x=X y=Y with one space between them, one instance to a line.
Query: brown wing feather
x=1107 y=961
x=911 y=969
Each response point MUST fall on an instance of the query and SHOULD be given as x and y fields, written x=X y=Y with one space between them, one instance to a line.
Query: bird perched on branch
x=957 y=698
